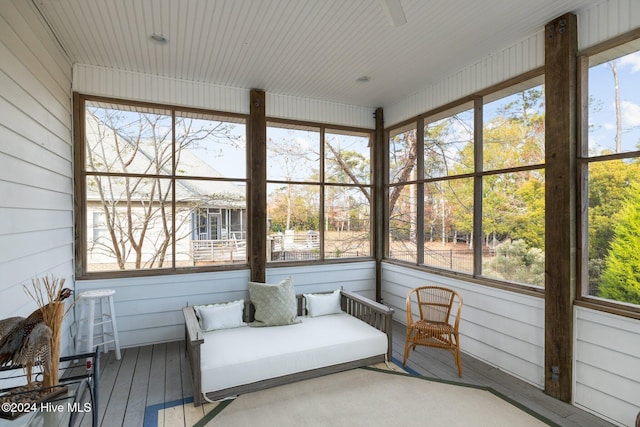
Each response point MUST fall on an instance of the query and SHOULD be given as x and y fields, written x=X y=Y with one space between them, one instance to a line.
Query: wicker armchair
x=433 y=327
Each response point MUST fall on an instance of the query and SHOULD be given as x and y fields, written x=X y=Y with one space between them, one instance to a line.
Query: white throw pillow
x=323 y=304
x=220 y=316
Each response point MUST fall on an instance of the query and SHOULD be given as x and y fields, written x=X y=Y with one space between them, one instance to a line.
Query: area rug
x=378 y=395
x=372 y=397
x=181 y=412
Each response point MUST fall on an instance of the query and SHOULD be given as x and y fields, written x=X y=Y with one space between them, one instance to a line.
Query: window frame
x=583 y=160
x=81 y=175
x=323 y=183
x=80 y=179
x=478 y=99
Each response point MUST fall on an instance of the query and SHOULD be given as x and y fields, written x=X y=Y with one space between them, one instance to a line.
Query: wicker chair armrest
x=408 y=309
x=456 y=323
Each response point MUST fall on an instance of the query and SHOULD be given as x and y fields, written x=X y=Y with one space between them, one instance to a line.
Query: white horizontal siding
x=607 y=19
x=149 y=309
x=36 y=173
x=502 y=328
x=358 y=277
x=597 y=23
x=516 y=59
x=607 y=365
x=296 y=108
x=115 y=83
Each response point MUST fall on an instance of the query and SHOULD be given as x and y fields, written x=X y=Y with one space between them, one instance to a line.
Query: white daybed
x=235 y=361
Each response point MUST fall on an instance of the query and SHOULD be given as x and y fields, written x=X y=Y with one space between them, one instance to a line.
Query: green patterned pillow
x=276 y=305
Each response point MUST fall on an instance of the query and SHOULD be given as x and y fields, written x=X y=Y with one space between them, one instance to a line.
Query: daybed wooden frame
x=377 y=315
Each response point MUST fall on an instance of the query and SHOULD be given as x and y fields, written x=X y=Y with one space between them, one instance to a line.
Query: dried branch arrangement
x=45 y=290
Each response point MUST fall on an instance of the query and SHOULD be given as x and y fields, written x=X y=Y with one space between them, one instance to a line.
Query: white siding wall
x=291 y=107
x=36 y=173
x=115 y=83
x=149 y=309
x=506 y=330
x=143 y=87
x=518 y=58
x=502 y=328
x=607 y=19
x=607 y=365
x=600 y=22
x=358 y=277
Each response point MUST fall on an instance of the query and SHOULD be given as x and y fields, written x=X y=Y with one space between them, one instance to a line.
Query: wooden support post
x=478 y=161
x=257 y=200
x=560 y=197
x=420 y=190
x=79 y=183
x=378 y=213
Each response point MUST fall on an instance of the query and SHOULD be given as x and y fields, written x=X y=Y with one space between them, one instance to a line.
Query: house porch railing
x=218 y=251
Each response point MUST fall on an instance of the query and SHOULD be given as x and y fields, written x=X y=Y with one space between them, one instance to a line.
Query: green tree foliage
x=448 y=204
x=294 y=207
x=513 y=202
x=608 y=183
x=529 y=220
x=621 y=278
x=516 y=261
x=459 y=193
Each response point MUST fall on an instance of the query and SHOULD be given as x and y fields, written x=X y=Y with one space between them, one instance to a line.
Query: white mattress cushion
x=244 y=355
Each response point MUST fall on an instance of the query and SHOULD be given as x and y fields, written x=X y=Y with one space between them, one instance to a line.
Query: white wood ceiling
x=307 y=48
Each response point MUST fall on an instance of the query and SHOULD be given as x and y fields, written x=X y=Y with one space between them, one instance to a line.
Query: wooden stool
x=88 y=321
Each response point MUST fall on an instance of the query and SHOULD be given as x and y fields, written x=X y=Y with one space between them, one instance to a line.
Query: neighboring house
x=210 y=217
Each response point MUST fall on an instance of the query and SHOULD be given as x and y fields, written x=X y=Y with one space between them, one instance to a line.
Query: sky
x=602 y=119
x=602 y=115
x=226 y=158
x=290 y=162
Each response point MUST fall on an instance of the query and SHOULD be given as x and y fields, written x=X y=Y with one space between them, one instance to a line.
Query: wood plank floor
x=150 y=376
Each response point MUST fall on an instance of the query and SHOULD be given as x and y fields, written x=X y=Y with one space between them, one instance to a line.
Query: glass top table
x=77 y=399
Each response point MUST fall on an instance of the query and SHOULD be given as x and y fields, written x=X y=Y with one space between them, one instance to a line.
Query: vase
x=53 y=314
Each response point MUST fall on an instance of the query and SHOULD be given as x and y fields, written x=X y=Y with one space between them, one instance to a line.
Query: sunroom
x=490 y=147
